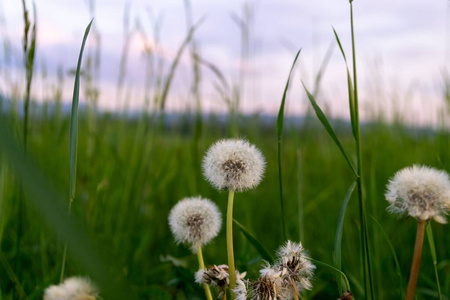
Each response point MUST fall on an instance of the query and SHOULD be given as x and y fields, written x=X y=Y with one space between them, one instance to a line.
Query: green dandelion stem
x=201 y=264
x=410 y=291
x=230 y=252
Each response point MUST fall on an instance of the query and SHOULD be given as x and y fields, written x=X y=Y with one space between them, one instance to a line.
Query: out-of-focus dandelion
x=219 y=277
x=424 y=194
x=195 y=221
x=73 y=288
x=420 y=192
x=233 y=165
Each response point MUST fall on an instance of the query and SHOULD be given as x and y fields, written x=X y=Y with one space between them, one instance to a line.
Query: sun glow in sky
x=402 y=52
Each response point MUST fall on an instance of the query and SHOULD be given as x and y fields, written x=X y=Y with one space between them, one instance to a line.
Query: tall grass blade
x=434 y=257
x=73 y=137
x=338 y=239
x=323 y=119
x=365 y=248
x=351 y=92
x=280 y=121
x=258 y=246
x=398 y=270
x=175 y=62
x=49 y=205
x=321 y=263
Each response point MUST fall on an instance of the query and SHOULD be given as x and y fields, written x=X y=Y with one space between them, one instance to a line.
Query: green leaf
x=398 y=270
x=338 y=239
x=280 y=121
x=73 y=134
x=258 y=246
x=323 y=119
x=433 y=256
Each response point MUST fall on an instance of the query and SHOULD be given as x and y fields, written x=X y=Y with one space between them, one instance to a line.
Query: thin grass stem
x=201 y=264
x=368 y=283
x=434 y=256
x=410 y=291
x=230 y=251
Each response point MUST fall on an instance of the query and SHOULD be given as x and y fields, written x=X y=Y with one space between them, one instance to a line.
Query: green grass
x=127 y=184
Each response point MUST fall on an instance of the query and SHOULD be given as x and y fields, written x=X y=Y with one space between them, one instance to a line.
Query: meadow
x=131 y=169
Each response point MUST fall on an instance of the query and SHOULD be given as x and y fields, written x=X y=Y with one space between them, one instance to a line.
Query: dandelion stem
x=230 y=251
x=410 y=291
x=294 y=289
x=202 y=266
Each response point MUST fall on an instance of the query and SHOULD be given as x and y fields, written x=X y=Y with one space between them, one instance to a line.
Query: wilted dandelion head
x=219 y=277
x=74 y=288
x=269 y=286
x=295 y=265
x=233 y=164
x=420 y=192
x=195 y=221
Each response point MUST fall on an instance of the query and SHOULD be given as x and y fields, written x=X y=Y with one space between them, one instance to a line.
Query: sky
x=402 y=50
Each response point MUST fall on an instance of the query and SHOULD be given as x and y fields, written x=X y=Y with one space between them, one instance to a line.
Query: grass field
x=132 y=168
x=131 y=172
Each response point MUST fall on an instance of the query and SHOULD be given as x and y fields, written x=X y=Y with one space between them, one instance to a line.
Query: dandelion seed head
x=269 y=286
x=233 y=164
x=195 y=221
x=219 y=277
x=295 y=265
x=74 y=288
x=420 y=192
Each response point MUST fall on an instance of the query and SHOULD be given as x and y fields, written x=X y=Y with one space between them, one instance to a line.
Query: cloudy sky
x=402 y=49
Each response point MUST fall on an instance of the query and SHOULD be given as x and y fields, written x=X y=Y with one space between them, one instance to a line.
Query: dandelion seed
x=233 y=164
x=420 y=192
x=269 y=286
x=195 y=221
x=74 y=288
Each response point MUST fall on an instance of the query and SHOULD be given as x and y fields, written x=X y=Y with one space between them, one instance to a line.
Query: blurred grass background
x=134 y=166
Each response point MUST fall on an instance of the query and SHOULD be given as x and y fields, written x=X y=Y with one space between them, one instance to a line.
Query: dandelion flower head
x=74 y=288
x=195 y=221
x=233 y=164
x=420 y=192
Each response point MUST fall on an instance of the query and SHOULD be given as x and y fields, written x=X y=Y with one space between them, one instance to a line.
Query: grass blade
x=338 y=239
x=174 y=65
x=258 y=246
x=73 y=135
x=280 y=121
x=320 y=263
x=73 y=138
x=434 y=256
x=398 y=270
x=323 y=119
x=49 y=205
x=351 y=92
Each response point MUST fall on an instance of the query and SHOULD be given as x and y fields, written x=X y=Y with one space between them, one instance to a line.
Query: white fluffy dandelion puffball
x=74 y=288
x=195 y=221
x=233 y=164
x=420 y=192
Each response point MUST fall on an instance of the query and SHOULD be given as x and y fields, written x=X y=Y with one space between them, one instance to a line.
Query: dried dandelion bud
x=195 y=221
x=74 y=288
x=219 y=277
x=295 y=265
x=233 y=164
x=420 y=192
